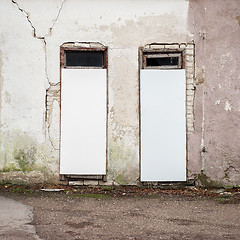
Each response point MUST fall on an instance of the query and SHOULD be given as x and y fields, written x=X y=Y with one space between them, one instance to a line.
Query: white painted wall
x=29 y=64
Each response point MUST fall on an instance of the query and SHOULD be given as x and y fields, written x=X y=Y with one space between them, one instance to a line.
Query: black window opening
x=85 y=59
x=162 y=60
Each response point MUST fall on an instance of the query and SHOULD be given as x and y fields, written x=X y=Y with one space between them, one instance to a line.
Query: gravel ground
x=131 y=213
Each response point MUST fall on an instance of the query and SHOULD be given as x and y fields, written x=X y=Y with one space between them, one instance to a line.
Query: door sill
x=73 y=177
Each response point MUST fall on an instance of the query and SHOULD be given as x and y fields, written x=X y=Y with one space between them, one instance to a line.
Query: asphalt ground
x=118 y=213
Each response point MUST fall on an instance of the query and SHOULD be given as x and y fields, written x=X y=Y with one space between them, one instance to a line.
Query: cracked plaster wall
x=25 y=145
x=214 y=147
x=30 y=69
x=30 y=75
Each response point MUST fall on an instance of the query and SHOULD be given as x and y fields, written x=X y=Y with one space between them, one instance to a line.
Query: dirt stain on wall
x=238 y=20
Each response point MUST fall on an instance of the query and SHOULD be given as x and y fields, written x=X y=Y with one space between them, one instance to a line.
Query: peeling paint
x=7 y=97
x=228 y=106
x=200 y=75
x=238 y=20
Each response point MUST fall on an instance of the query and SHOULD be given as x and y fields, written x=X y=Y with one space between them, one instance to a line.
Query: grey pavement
x=15 y=220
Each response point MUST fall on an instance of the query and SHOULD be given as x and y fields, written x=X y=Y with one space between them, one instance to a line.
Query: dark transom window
x=84 y=59
x=162 y=60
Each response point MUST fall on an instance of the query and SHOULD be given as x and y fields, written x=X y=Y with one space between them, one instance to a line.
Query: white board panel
x=163 y=126
x=83 y=122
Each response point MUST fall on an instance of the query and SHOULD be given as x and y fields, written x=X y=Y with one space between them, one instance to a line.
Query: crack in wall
x=203 y=149
x=26 y=14
x=228 y=171
x=52 y=94
x=43 y=39
x=50 y=140
x=55 y=20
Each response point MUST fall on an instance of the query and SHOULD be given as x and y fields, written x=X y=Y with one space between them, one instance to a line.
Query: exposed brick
x=190 y=129
x=183 y=45
x=190 y=124
x=189 y=52
x=77 y=44
x=105 y=183
x=189 y=108
x=190 y=81
x=189 y=58
x=190 y=92
x=190 y=86
x=157 y=46
x=55 y=87
x=90 y=182
x=189 y=67
x=174 y=46
x=75 y=183
x=189 y=103
x=190 y=46
x=189 y=75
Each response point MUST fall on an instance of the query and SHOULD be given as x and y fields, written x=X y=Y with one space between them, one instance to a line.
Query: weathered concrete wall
x=30 y=41
x=214 y=146
x=29 y=45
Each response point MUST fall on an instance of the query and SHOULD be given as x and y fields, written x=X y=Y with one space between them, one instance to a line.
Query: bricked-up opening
x=162 y=60
x=84 y=59
x=159 y=79
x=83 y=111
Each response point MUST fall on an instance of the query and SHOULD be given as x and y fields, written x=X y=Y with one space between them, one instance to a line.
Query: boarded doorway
x=83 y=112
x=163 y=120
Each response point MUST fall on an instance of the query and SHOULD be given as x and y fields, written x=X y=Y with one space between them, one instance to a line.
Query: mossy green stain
x=90 y=195
x=122 y=168
x=20 y=152
x=10 y=168
x=120 y=179
x=207 y=182
x=25 y=158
